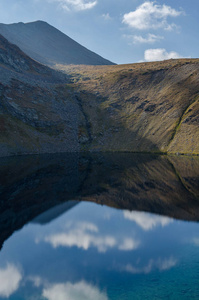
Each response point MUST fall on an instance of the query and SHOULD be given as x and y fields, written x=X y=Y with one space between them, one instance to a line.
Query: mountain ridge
x=48 y=45
x=157 y=184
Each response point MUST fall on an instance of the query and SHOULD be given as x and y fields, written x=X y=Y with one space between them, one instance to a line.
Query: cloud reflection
x=145 y=220
x=128 y=244
x=195 y=241
x=36 y=280
x=10 y=278
x=85 y=235
x=73 y=291
x=160 y=264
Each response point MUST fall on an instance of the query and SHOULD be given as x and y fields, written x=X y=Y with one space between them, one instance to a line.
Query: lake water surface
x=120 y=226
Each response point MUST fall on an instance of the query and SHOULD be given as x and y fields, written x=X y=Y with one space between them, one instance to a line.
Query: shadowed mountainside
x=37 y=114
x=31 y=185
x=48 y=45
x=15 y=64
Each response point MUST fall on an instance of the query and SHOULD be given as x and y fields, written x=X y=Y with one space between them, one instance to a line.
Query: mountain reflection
x=32 y=185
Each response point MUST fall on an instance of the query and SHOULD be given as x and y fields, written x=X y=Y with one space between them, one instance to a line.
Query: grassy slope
x=147 y=107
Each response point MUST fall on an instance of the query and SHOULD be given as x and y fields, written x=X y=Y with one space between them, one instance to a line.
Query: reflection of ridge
x=54 y=212
x=31 y=185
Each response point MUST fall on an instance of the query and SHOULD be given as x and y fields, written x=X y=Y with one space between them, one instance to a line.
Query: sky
x=123 y=31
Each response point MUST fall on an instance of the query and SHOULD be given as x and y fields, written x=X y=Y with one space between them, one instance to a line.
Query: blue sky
x=123 y=31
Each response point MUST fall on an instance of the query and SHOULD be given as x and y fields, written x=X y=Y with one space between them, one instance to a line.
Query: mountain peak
x=46 y=44
x=38 y=22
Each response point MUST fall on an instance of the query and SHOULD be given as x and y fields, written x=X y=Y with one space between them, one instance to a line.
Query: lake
x=100 y=226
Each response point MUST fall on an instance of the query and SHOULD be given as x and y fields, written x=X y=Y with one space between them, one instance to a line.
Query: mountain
x=144 y=107
x=54 y=212
x=49 y=46
x=14 y=63
x=36 y=112
x=148 y=107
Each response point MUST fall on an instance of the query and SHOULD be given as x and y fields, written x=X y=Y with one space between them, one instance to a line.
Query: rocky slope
x=48 y=45
x=15 y=64
x=147 y=107
x=37 y=114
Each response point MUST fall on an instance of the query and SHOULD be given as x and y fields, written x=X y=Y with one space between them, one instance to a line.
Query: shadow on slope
x=142 y=105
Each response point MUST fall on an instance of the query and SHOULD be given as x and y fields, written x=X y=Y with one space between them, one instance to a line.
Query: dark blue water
x=142 y=243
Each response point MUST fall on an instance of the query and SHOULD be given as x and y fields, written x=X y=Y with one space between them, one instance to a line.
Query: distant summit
x=47 y=45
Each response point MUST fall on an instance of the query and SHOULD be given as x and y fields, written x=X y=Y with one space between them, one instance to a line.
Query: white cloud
x=81 y=290
x=145 y=220
x=106 y=17
x=160 y=264
x=139 y=39
x=150 y=39
x=150 y=15
x=160 y=54
x=10 y=278
x=85 y=235
x=77 y=5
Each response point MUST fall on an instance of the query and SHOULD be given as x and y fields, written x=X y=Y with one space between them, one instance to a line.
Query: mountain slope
x=147 y=107
x=36 y=111
x=14 y=63
x=48 y=45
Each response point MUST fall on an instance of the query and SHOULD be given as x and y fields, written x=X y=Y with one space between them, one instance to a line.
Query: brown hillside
x=145 y=107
